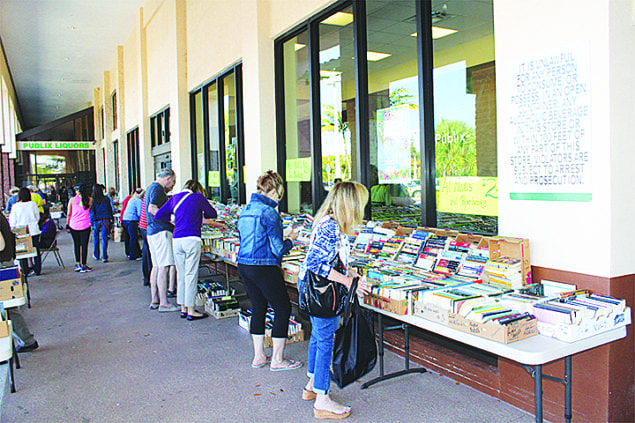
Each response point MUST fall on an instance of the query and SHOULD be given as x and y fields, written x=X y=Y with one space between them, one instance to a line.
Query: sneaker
x=105 y=260
x=154 y=306
x=169 y=308
x=86 y=269
x=78 y=268
x=95 y=258
x=27 y=348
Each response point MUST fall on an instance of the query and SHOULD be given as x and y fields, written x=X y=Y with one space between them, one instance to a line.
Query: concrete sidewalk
x=105 y=357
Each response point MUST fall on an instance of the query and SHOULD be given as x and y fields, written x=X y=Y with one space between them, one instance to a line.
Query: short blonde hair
x=345 y=204
x=270 y=180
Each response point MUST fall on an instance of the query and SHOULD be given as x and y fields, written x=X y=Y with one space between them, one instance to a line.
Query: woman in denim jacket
x=340 y=214
x=259 y=258
x=101 y=218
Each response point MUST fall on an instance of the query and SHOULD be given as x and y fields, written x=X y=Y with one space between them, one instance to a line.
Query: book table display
x=532 y=353
x=471 y=289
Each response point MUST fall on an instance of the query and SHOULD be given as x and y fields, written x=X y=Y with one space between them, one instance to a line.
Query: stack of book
x=505 y=271
x=412 y=245
x=428 y=254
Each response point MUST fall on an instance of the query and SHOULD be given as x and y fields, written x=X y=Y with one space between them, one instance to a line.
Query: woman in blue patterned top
x=339 y=216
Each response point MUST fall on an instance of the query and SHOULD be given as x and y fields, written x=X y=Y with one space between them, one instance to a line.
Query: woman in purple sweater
x=190 y=209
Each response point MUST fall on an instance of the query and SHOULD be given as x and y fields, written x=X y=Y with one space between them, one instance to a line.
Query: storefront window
x=337 y=98
x=200 y=139
x=465 y=116
x=231 y=140
x=297 y=124
x=214 y=144
x=393 y=99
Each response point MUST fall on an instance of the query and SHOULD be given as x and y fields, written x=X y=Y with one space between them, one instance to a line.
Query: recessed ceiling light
x=438 y=32
x=339 y=19
x=373 y=56
x=327 y=73
x=299 y=46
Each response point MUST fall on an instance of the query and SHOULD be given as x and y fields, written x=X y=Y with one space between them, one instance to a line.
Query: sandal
x=331 y=414
x=293 y=364
x=308 y=395
x=261 y=365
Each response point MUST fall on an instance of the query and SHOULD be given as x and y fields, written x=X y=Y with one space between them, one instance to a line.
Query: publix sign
x=55 y=145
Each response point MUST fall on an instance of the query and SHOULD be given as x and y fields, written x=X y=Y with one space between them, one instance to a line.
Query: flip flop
x=261 y=365
x=293 y=364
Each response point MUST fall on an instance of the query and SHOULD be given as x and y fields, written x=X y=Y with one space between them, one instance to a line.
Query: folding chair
x=55 y=250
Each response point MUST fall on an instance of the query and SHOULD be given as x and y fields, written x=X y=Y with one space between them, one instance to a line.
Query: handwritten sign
x=299 y=169
x=214 y=178
x=550 y=126
x=468 y=195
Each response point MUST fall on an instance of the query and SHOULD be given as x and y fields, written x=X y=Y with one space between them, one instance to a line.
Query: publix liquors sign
x=55 y=145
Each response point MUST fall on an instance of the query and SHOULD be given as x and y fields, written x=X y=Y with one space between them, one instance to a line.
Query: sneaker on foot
x=105 y=260
x=95 y=258
x=86 y=269
x=78 y=268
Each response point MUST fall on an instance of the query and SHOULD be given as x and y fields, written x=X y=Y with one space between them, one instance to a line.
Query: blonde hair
x=268 y=181
x=194 y=186
x=345 y=204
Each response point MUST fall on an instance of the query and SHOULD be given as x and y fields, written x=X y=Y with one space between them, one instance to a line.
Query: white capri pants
x=187 y=256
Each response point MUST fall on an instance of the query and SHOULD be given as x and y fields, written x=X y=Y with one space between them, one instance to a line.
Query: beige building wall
x=159 y=60
x=131 y=87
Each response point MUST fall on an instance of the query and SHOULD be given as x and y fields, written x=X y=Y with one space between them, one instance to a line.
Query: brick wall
x=484 y=86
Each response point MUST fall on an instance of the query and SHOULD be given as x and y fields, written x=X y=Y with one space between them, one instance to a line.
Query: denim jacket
x=260 y=230
x=103 y=211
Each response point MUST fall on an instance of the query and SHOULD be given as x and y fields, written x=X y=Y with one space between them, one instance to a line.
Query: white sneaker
x=169 y=308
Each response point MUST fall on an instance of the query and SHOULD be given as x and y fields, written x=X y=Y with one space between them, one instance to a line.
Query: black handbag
x=320 y=297
x=355 y=348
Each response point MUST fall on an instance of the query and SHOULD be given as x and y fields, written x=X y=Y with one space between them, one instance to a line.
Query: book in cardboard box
x=505 y=334
x=513 y=247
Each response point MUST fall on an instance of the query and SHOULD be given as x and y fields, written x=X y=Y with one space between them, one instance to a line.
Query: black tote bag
x=321 y=297
x=355 y=349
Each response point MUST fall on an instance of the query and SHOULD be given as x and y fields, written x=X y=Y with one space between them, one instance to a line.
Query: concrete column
x=179 y=100
x=145 y=141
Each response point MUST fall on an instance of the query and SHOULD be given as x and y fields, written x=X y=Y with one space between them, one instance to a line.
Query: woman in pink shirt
x=79 y=224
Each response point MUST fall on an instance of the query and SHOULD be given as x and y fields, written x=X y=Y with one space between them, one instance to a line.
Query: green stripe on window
x=548 y=196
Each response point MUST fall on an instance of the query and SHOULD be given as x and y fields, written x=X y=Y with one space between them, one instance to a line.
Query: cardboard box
x=222 y=314
x=20 y=232
x=399 y=307
x=431 y=312
x=24 y=247
x=9 y=273
x=512 y=247
x=11 y=289
x=4 y=329
x=296 y=337
x=491 y=330
x=586 y=328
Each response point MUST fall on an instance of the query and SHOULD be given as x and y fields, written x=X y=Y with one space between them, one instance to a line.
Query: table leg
x=407 y=368
x=538 y=384
x=567 y=389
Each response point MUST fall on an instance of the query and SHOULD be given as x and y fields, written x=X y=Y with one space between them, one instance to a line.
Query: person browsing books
x=190 y=209
x=259 y=257
x=340 y=214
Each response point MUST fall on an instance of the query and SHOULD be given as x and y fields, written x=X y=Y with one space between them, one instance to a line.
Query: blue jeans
x=132 y=227
x=102 y=227
x=321 y=352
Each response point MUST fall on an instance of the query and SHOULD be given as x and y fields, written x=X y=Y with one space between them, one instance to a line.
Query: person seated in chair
x=49 y=230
